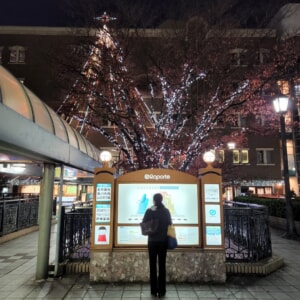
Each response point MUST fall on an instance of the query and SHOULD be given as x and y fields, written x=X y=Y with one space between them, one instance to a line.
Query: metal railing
x=17 y=214
x=246 y=228
x=17 y=196
x=247 y=234
x=76 y=227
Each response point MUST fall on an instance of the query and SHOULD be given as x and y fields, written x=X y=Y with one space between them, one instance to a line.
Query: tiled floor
x=18 y=264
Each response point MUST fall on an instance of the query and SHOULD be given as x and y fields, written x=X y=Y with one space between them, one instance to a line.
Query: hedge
x=276 y=207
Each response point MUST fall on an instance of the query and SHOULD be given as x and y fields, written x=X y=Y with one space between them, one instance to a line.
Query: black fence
x=76 y=227
x=18 y=213
x=247 y=234
x=246 y=228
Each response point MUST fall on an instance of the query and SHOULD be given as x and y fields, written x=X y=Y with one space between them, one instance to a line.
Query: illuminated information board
x=135 y=198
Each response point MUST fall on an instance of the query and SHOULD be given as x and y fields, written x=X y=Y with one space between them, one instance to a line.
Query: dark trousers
x=157 y=250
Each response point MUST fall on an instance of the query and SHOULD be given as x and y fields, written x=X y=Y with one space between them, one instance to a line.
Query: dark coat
x=164 y=220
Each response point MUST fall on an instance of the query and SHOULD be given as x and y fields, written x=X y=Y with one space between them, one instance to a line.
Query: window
x=244 y=156
x=260 y=191
x=17 y=55
x=219 y=156
x=297 y=90
x=220 y=122
x=284 y=86
x=1 y=50
x=237 y=120
x=259 y=120
x=291 y=157
x=265 y=156
x=240 y=156
x=262 y=120
x=236 y=156
x=238 y=57
x=262 y=56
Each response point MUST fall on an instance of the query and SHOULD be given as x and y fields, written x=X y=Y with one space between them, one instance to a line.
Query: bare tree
x=172 y=93
x=192 y=73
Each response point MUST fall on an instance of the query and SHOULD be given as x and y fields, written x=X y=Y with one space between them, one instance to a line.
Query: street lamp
x=281 y=106
x=105 y=157
x=209 y=157
x=231 y=145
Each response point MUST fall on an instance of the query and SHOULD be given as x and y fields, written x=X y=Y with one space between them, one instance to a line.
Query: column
x=45 y=216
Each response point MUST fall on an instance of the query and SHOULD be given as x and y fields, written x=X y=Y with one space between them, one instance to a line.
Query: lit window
x=236 y=156
x=265 y=156
x=260 y=191
x=244 y=156
x=284 y=86
x=240 y=156
x=17 y=55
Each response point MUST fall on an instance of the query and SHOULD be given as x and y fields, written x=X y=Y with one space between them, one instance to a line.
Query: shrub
x=276 y=207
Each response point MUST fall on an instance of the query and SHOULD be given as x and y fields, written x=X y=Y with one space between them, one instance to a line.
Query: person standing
x=157 y=245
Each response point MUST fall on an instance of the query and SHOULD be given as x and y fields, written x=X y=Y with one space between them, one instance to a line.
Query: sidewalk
x=18 y=265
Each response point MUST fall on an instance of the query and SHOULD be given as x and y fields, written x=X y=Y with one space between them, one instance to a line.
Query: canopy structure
x=31 y=129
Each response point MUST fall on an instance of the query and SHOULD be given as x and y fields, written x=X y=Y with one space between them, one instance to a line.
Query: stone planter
x=182 y=266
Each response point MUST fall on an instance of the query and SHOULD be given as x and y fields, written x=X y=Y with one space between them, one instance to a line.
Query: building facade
x=30 y=54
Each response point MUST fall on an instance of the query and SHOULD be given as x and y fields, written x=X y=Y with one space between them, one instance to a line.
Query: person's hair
x=157 y=198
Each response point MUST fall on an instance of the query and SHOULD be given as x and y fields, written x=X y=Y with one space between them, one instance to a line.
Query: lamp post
x=231 y=146
x=211 y=203
x=281 y=106
x=105 y=157
x=209 y=157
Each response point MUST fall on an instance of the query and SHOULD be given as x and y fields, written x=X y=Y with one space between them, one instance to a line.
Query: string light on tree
x=175 y=136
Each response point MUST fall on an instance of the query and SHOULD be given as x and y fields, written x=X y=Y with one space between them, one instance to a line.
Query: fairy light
x=135 y=124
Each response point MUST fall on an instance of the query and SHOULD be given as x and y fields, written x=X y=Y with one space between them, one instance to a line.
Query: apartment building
x=29 y=54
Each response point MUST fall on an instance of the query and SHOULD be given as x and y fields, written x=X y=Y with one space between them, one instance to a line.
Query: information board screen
x=131 y=235
x=102 y=213
x=181 y=199
x=103 y=192
x=213 y=235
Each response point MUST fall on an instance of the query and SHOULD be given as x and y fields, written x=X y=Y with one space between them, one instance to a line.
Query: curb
x=263 y=267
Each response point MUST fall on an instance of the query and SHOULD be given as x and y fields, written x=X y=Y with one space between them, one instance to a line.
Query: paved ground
x=18 y=265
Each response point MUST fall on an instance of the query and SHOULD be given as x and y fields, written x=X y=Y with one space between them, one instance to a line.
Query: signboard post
x=103 y=205
x=212 y=207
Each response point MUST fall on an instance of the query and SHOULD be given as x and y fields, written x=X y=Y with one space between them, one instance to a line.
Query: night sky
x=31 y=12
x=140 y=13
